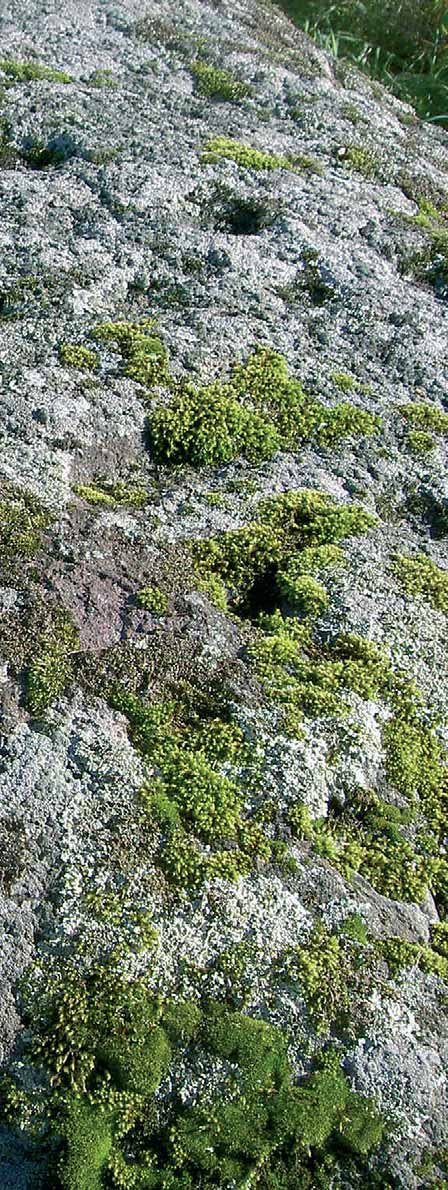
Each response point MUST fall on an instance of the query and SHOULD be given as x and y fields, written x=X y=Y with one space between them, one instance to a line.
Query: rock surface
x=335 y=268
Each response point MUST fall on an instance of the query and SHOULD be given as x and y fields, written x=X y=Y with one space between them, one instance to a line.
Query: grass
x=401 y=43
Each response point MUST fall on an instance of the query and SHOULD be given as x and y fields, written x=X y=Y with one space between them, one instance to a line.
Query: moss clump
x=430 y=265
x=204 y=831
x=260 y=410
x=144 y=355
x=106 y=1044
x=323 y=973
x=422 y=416
x=255 y=562
x=218 y=84
x=400 y=954
x=223 y=147
x=208 y=425
x=112 y=494
x=51 y=667
x=73 y=355
x=362 y=160
x=22 y=519
x=348 y=383
x=303 y=677
x=152 y=599
x=101 y=79
x=421 y=576
x=88 y=1143
x=305 y=594
x=419 y=442
x=26 y=72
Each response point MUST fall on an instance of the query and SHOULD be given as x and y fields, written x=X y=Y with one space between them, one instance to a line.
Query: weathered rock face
x=126 y=196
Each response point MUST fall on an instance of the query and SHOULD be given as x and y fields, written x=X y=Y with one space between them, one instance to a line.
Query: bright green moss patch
x=322 y=970
x=105 y=1045
x=22 y=519
x=305 y=594
x=260 y=410
x=101 y=79
x=218 y=84
x=112 y=494
x=419 y=442
x=430 y=265
x=400 y=955
x=73 y=355
x=221 y=147
x=25 y=72
x=423 y=416
x=144 y=355
x=362 y=160
x=256 y=561
x=200 y=813
x=152 y=599
x=51 y=667
x=421 y=576
x=88 y=1142
x=208 y=425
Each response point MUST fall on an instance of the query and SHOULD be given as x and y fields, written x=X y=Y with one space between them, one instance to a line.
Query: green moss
x=73 y=355
x=430 y=265
x=321 y=971
x=400 y=955
x=51 y=667
x=257 y=556
x=208 y=425
x=423 y=416
x=25 y=72
x=112 y=494
x=286 y=524
x=152 y=599
x=362 y=160
x=212 y=586
x=244 y=155
x=421 y=576
x=419 y=442
x=260 y=410
x=218 y=84
x=22 y=520
x=296 y=583
x=305 y=594
x=144 y=355
x=344 y=381
x=88 y=1142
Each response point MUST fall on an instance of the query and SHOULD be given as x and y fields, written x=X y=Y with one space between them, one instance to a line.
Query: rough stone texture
x=128 y=226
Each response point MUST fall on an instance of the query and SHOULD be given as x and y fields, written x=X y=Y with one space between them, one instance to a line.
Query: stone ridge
x=224 y=600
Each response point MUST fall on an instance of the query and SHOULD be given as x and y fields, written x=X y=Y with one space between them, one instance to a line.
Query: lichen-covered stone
x=262 y=249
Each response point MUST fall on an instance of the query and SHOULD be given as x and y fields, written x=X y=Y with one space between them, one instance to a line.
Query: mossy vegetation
x=258 y=563
x=26 y=72
x=218 y=84
x=110 y=493
x=144 y=355
x=419 y=442
x=22 y=521
x=401 y=955
x=224 y=148
x=421 y=576
x=51 y=667
x=430 y=264
x=259 y=410
x=74 y=355
x=106 y=1044
x=421 y=416
x=361 y=160
x=152 y=599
